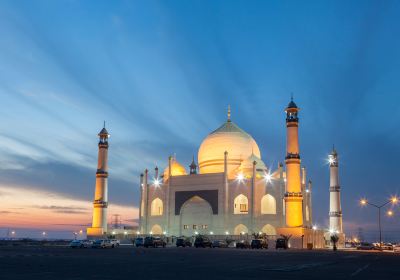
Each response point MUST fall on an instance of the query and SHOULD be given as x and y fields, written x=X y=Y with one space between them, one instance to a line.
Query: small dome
x=246 y=167
x=228 y=137
x=177 y=169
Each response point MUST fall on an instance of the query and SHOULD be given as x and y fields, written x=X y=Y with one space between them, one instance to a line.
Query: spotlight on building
x=113 y=233
x=314 y=228
x=156 y=182
x=394 y=199
x=390 y=213
x=211 y=233
x=331 y=231
x=151 y=232
x=268 y=177
x=240 y=177
x=196 y=233
x=138 y=232
x=125 y=232
x=164 y=232
x=226 y=232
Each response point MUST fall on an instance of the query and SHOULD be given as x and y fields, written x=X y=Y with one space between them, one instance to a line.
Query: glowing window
x=241 y=205
x=268 y=204
x=156 y=207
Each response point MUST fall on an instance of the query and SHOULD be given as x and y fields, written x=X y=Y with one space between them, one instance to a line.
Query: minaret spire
x=229 y=113
x=100 y=204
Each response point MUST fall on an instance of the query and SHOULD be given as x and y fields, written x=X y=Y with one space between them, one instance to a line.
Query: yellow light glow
x=240 y=177
x=156 y=182
x=363 y=201
x=314 y=227
x=226 y=232
x=390 y=213
x=394 y=199
x=138 y=232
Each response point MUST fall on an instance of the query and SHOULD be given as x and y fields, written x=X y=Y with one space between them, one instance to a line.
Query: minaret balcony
x=334 y=189
x=293 y=194
x=101 y=173
x=100 y=204
x=335 y=214
x=292 y=156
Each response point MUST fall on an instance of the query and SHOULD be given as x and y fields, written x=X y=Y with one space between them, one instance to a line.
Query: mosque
x=230 y=192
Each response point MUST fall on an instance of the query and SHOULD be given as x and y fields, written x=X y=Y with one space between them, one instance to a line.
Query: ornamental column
x=293 y=195
x=335 y=209
x=100 y=204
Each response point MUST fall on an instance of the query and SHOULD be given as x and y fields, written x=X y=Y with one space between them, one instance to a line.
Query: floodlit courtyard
x=127 y=262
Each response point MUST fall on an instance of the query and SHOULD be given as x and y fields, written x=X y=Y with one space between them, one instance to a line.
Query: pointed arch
x=156 y=208
x=269 y=230
x=240 y=229
x=156 y=230
x=241 y=205
x=268 y=204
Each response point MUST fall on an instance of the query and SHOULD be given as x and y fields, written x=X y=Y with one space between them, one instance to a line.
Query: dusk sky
x=162 y=73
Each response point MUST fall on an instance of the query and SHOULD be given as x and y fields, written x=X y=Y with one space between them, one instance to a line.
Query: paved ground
x=191 y=263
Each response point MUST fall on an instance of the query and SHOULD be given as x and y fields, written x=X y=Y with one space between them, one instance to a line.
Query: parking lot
x=127 y=262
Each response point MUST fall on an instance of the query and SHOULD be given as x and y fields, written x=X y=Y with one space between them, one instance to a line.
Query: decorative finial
x=104 y=124
x=291 y=96
x=229 y=113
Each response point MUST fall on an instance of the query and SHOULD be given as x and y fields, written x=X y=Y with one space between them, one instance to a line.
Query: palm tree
x=334 y=240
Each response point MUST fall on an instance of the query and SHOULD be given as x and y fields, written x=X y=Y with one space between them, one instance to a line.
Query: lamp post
x=365 y=202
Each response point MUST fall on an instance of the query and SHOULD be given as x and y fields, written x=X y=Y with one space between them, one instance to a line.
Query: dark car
x=243 y=244
x=139 y=241
x=259 y=244
x=202 y=241
x=183 y=242
x=154 y=242
x=281 y=243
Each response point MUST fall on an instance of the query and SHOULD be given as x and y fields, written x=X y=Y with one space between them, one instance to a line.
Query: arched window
x=156 y=207
x=241 y=205
x=268 y=204
x=268 y=230
x=240 y=229
x=156 y=230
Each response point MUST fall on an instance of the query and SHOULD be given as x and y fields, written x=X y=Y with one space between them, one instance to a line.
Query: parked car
x=396 y=248
x=139 y=242
x=243 y=244
x=183 y=242
x=76 y=244
x=366 y=246
x=219 y=244
x=155 y=242
x=259 y=244
x=114 y=243
x=281 y=243
x=387 y=247
x=102 y=243
x=202 y=241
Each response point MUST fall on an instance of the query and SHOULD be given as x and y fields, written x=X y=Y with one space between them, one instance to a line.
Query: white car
x=102 y=243
x=80 y=244
x=115 y=243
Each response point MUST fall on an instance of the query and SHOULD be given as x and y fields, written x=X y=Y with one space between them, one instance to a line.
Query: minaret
x=293 y=195
x=193 y=167
x=335 y=209
x=100 y=204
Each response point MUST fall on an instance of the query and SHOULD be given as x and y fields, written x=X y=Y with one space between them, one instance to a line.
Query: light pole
x=365 y=202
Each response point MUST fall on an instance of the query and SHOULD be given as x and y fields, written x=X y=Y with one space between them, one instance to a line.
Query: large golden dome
x=228 y=137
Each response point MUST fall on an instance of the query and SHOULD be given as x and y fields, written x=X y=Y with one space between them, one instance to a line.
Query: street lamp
x=392 y=200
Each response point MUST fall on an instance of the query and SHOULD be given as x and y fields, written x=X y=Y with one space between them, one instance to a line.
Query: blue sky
x=161 y=73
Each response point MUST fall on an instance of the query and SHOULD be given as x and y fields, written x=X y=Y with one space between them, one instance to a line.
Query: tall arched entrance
x=196 y=216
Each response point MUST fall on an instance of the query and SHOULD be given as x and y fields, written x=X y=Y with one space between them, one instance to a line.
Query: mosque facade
x=230 y=191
